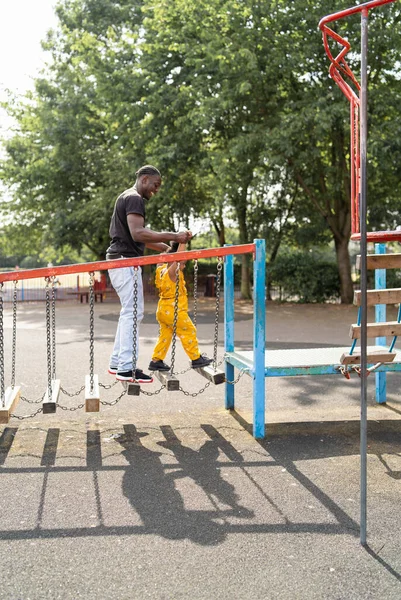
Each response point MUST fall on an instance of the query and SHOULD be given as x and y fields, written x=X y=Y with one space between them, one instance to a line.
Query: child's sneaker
x=202 y=361
x=140 y=376
x=112 y=370
x=158 y=365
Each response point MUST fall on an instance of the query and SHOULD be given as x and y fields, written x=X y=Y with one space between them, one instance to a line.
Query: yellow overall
x=186 y=330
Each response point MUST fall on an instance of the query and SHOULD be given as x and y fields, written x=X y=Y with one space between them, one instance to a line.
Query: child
x=186 y=331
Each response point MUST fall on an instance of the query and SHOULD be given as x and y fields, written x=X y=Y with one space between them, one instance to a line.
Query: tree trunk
x=344 y=270
x=245 y=278
x=246 y=293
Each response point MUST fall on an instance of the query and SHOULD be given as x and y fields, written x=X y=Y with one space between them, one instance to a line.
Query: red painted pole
x=105 y=265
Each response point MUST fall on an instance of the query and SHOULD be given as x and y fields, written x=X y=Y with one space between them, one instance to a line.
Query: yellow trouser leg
x=163 y=341
x=186 y=332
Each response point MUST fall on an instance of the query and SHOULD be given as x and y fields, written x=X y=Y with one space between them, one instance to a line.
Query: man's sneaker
x=158 y=365
x=140 y=376
x=202 y=361
x=112 y=370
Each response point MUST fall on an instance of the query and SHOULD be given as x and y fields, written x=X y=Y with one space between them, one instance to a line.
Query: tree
x=231 y=100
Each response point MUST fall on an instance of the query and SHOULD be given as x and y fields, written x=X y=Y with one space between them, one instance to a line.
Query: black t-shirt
x=121 y=241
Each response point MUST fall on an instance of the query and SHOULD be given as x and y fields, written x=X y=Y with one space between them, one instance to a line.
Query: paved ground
x=168 y=496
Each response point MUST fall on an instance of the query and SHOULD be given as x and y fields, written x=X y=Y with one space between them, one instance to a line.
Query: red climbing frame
x=342 y=74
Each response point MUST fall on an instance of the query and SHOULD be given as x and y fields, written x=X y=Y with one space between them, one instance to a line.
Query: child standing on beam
x=166 y=275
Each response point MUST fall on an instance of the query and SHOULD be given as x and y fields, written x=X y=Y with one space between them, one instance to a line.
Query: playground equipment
x=343 y=76
x=50 y=399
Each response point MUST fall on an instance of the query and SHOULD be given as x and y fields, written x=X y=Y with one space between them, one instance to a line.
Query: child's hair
x=173 y=248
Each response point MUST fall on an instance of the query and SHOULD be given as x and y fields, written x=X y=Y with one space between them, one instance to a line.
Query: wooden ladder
x=383 y=296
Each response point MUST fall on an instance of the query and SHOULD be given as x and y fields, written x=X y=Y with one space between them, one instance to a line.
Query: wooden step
x=380 y=261
x=385 y=329
x=371 y=358
x=390 y=296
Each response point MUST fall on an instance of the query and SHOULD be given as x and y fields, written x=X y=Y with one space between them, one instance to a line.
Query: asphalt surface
x=168 y=496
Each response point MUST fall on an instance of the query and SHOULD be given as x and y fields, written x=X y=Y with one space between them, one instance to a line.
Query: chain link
x=48 y=340
x=32 y=401
x=22 y=417
x=70 y=408
x=14 y=342
x=108 y=386
x=91 y=329
x=216 y=317
x=135 y=322
x=196 y=268
x=240 y=374
x=113 y=402
x=194 y=394
x=175 y=319
x=152 y=393
x=53 y=328
x=72 y=394
x=183 y=372
x=2 y=387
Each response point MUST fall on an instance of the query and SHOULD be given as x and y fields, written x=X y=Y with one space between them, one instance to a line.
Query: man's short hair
x=147 y=170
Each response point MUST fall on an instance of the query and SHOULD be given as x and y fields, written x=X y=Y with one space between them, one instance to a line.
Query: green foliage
x=306 y=276
x=231 y=100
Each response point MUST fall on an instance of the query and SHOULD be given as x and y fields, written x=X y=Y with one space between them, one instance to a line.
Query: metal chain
x=184 y=371
x=53 y=328
x=216 y=317
x=194 y=394
x=196 y=269
x=113 y=402
x=240 y=374
x=68 y=408
x=14 y=342
x=344 y=371
x=48 y=340
x=22 y=417
x=72 y=394
x=135 y=322
x=174 y=338
x=2 y=388
x=32 y=401
x=152 y=393
x=91 y=329
x=108 y=386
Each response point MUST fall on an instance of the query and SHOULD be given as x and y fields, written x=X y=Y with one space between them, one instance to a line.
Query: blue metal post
x=259 y=338
x=380 y=314
x=229 y=326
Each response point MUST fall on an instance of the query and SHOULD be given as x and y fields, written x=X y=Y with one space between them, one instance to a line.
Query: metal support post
x=363 y=211
x=229 y=327
x=259 y=338
x=380 y=317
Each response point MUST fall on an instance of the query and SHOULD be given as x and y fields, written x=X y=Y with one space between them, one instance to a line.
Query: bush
x=305 y=277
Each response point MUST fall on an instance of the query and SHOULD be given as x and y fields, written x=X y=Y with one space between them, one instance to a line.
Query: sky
x=23 y=24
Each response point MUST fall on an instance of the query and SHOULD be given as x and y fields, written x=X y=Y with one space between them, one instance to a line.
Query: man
x=129 y=237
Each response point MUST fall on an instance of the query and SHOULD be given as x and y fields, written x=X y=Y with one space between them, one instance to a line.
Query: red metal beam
x=104 y=265
x=351 y=11
x=379 y=236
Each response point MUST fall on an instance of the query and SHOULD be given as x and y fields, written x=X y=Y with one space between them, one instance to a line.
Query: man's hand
x=182 y=237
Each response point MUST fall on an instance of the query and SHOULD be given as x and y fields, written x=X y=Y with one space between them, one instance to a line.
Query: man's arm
x=140 y=233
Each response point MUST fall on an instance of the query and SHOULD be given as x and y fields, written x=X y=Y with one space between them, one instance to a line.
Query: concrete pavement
x=169 y=496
